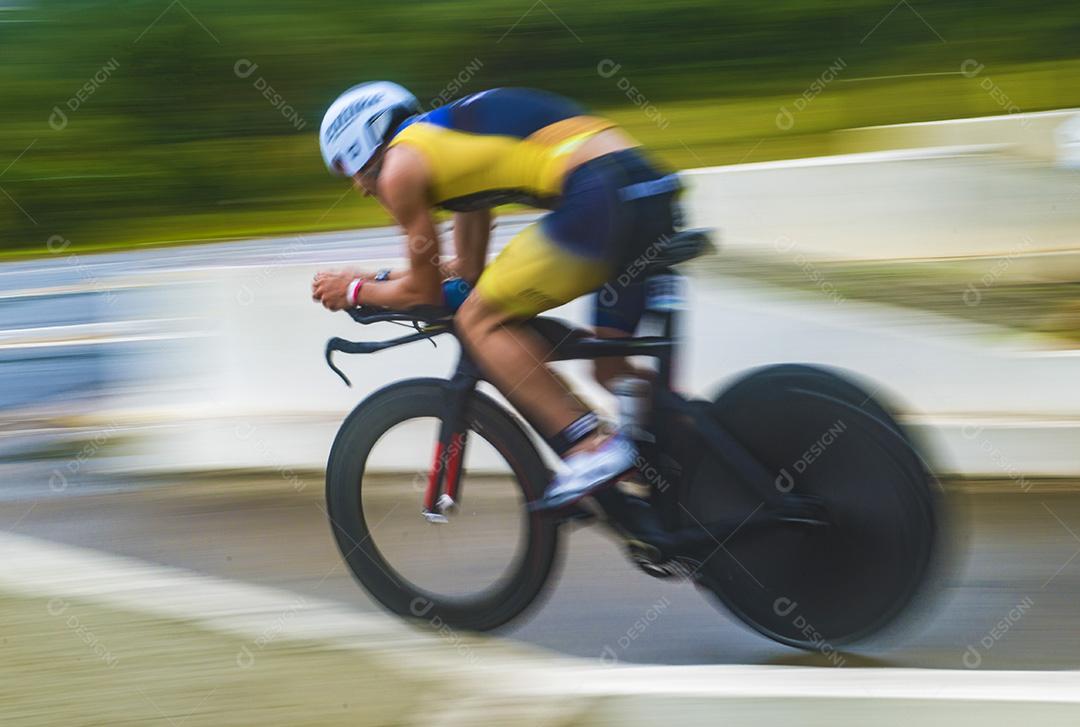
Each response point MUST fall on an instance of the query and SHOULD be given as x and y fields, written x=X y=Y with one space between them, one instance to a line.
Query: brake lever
x=416 y=325
x=331 y=346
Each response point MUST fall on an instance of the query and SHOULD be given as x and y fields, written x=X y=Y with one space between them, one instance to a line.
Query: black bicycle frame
x=568 y=344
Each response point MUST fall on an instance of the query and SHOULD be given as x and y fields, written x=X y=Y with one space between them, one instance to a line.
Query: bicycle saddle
x=678 y=248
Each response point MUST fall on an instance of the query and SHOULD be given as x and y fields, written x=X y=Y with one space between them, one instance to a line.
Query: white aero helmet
x=357 y=123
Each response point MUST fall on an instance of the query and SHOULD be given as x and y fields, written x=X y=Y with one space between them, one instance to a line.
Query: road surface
x=1014 y=601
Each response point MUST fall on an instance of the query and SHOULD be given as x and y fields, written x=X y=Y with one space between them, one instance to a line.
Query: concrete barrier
x=1038 y=135
x=945 y=202
x=253 y=390
x=995 y=185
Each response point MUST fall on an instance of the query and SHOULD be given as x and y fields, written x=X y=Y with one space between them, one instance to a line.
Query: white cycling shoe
x=588 y=472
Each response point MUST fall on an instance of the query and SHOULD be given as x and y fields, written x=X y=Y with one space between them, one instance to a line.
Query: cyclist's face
x=365 y=181
x=367 y=178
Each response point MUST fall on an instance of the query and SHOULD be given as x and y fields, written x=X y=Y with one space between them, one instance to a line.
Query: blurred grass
x=697 y=134
x=1047 y=309
x=175 y=145
x=89 y=664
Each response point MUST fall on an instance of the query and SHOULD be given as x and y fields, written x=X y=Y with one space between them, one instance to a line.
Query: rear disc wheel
x=805 y=585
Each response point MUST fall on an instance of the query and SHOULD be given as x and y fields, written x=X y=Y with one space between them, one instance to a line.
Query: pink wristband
x=353 y=292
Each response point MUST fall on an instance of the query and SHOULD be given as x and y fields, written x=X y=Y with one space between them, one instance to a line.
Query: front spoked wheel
x=817 y=585
x=489 y=560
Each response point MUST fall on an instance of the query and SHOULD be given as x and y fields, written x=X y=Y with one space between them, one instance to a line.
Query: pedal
x=643 y=553
x=680 y=567
x=435 y=518
x=445 y=504
x=643 y=556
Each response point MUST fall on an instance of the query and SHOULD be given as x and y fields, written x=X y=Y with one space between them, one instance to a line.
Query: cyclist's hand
x=332 y=288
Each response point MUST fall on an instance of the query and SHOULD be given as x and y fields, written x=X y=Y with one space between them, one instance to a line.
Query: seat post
x=664 y=298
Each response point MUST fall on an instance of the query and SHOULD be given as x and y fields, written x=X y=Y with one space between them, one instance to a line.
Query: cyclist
x=608 y=205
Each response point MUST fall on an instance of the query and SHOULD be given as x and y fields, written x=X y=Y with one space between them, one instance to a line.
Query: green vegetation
x=145 y=122
x=76 y=662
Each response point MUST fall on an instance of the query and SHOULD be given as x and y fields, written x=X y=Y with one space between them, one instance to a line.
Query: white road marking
x=41 y=569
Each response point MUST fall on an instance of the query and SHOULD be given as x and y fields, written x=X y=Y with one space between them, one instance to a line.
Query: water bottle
x=632 y=393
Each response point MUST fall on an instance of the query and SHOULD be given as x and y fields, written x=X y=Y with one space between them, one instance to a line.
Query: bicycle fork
x=443 y=491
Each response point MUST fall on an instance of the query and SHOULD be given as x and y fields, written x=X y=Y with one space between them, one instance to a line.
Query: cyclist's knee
x=475 y=318
x=467 y=316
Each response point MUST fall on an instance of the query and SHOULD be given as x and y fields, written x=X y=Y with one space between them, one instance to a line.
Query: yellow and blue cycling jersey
x=513 y=145
x=499 y=146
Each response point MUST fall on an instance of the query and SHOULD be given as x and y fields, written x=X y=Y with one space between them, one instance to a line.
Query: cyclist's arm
x=370 y=274
x=472 y=231
x=403 y=190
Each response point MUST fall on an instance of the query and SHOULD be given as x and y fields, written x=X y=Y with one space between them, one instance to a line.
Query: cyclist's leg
x=566 y=255
x=530 y=275
x=569 y=253
x=617 y=308
x=619 y=305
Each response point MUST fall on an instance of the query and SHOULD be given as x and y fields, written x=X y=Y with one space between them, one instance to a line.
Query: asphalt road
x=1012 y=603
